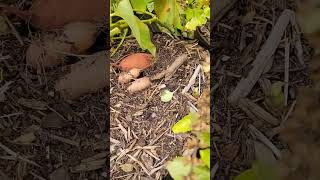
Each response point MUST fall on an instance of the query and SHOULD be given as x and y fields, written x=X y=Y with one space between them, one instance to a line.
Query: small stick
x=265 y=140
x=192 y=80
x=214 y=170
x=67 y=141
x=286 y=71
x=171 y=69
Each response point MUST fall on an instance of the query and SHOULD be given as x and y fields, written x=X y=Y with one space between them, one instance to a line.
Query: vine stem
x=123 y=37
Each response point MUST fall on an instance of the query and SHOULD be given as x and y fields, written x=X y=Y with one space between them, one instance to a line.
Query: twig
x=192 y=79
x=265 y=140
x=245 y=85
x=67 y=141
x=140 y=164
x=286 y=71
x=168 y=73
x=214 y=171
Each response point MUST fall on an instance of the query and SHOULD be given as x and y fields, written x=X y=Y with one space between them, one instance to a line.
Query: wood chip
x=33 y=104
x=265 y=140
x=245 y=85
x=89 y=166
x=255 y=112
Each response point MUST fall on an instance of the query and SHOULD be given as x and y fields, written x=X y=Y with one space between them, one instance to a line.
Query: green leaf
x=277 y=95
x=179 y=168
x=140 y=5
x=205 y=156
x=168 y=12
x=249 y=174
x=201 y=172
x=183 y=125
x=150 y=6
x=196 y=17
x=166 y=95
x=139 y=29
x=204 y=138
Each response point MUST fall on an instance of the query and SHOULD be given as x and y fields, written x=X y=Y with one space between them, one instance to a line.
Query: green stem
x=115 y=31
x=122 y=23
x=123 y=37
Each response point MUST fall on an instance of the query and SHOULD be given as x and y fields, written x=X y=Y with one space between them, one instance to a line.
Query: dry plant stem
x=192 y=80
x=168 y=73
x=245 y=85
x=214 y=170
x=286 y=71
x=265 y=140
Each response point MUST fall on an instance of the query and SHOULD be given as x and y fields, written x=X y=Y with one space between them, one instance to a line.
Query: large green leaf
x=205 y=156
x=140 y=5
x=204 y=138
x=249 y=174
x=139 y=29
x=183 y=125
x=168 y=12
x=201 y=172
x=179 y=168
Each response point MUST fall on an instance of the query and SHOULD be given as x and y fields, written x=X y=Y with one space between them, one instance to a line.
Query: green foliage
x=179 y=168
x=259 y=171
x=182 y=126
x=166 y=96
x=171 y=16
x=205 y=156
x=199 y=129
x=138 y=28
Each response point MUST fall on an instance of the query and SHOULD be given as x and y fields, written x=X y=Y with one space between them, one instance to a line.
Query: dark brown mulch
x=235 y=151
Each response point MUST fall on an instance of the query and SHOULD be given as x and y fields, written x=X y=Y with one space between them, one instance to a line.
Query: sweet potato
x=75 y=38
x=87 y=76
x=137 y=60
x=126 y=77
x=139 y=85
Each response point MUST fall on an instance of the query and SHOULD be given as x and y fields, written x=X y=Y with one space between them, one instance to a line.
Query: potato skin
x=137 y=60
x=139 y=85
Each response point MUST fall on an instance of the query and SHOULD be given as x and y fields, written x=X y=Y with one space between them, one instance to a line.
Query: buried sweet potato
x=75 y=38
x=139 y=85
x=137 y=60
x=87 y=76
x=125 y=77
x=52 y=14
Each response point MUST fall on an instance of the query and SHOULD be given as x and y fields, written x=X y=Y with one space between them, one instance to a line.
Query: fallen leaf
x=126 y=167
x=166 y=95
